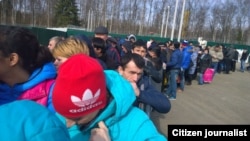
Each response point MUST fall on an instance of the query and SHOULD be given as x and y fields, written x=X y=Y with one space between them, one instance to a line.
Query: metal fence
x=44 y=34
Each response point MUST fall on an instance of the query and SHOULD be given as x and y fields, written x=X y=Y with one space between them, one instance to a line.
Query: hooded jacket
x=25 y=120
x=10 y=94
x=124 y=121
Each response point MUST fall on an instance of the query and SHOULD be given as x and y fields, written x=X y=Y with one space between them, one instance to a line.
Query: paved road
x=225 y=101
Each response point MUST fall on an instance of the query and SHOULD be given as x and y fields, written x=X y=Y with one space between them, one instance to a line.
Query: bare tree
x=214 y=23
x=242 y=20
x=197 y=17
x=149 y=16
x=219 y=21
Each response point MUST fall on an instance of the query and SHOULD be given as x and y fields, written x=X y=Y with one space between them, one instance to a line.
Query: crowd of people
x=97 y=88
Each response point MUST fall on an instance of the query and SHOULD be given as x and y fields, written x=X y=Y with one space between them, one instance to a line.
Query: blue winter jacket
x=175 y=60
x=186 y=53
x=9 y=94
x=151 y=96
x=124 y=121
x=25 y=120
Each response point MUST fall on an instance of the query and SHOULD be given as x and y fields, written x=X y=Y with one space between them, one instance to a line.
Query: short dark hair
x=99 y=43
x=176 y=45
x=139 y=42
x=139 y=61
x=22 y=41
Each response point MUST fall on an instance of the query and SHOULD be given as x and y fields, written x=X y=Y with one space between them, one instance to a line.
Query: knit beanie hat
x=185 y=42
x=80 y=87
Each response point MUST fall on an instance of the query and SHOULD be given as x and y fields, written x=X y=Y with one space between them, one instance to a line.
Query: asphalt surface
x=224 y=101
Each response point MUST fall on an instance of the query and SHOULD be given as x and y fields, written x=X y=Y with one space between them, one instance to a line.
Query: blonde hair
x=70 y=46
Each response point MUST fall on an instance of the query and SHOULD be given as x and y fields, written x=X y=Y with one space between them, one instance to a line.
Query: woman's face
x=59 y=61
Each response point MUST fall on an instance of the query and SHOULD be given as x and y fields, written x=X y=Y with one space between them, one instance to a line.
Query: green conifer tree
x=66 y=13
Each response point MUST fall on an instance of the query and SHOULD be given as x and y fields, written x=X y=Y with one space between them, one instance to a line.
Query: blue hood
x=9 y=94
x=25 y=120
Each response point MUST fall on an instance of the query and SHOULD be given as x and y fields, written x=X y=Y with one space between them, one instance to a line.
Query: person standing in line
x=131 y=68
x=68 y=47
x=187 y=51
x=92 y=95
x=174 y=65
x=100 y=50
x=204 y=61
x=25 y=120
x=139 y=47
x=36 y=123
x=228 y=57
x=217 y=55
x=53 y=41
x=27 y=70
x=235 y=60
x=192 y=69
x=102 y=32
x=243 y=60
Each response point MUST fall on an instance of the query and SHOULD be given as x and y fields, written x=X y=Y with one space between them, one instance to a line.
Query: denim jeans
x=242 y=65
x=171 y=91
x=182 y=77
x=200 y=78
x=214 y=65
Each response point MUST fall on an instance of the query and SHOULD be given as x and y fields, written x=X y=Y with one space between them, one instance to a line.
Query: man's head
x=99 y=46
x=184 y=43
x=80 y=89
x=217 y=48
x=175 y=45
x=101 y=32
x=131 y=38
x=139 y=47
x=131 y=67
x=53 y=41
x=162 y=45
x=126 y=47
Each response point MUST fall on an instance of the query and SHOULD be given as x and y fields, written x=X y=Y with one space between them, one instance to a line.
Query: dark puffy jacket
x=175 y=59
x=151 y=71
x=151 y=96
x=230 y=54
x=203 y=63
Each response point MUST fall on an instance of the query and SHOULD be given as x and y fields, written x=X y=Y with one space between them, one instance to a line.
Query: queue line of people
x=99 y=106
x=116 y=77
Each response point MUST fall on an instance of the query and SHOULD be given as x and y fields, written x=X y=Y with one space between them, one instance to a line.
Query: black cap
x=101 y=30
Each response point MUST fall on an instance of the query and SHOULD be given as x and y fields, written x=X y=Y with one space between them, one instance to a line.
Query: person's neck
x=15 y=76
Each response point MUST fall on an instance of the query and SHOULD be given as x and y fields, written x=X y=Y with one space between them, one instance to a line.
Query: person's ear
x=13 y=58
x=120 y=70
